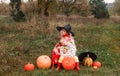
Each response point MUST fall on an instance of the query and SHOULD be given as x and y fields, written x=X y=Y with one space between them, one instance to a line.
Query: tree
x=117 y=7
x=83 y=8
x=45 y=6
x=80 y=7
x=98 y=9
x=68 y=6
x=16 y=12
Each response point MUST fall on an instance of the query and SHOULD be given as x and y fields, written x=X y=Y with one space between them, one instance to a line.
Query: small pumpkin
x=28 y=67
x=97 y=64
x=87 y=61
x=68 y=63
x=43 y=62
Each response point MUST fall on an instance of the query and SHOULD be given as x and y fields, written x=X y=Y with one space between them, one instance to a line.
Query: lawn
x=23 y=42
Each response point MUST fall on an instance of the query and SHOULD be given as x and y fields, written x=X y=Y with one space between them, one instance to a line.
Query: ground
x=23 y=42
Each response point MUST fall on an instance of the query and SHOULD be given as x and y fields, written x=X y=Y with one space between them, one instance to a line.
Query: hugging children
x=65 y=47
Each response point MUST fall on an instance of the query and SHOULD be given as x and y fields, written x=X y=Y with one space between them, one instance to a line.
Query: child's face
x=63 y=32
x=63 y=41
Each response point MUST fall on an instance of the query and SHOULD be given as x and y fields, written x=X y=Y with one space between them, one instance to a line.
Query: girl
x=65 y=47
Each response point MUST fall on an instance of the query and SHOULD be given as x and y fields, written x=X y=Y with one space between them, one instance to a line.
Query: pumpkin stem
x=88 y=55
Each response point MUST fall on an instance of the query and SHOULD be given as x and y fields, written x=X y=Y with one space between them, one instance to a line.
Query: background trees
x=98 y=9
x=16 y=12
x=116 y=8
x=64 y=7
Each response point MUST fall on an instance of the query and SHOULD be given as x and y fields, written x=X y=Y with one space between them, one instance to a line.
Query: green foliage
x=54 y=7
x=83 y=13
x=98 y=9
x=68 y=7
x=67 y=11
x=46 y=7
x=16 y=12
x=116 y=8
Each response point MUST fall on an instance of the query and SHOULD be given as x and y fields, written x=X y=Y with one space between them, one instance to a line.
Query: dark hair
x=72 y=33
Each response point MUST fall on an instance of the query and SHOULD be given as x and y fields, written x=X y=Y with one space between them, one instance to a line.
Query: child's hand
x=56 y=51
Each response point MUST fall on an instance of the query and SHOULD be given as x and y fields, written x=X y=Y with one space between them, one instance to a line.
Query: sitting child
x=66 y=46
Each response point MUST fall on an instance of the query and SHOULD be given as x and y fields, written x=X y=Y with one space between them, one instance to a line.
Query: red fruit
x=97 y=64
x=29 y=67
x=68 y=63
x=43 y=62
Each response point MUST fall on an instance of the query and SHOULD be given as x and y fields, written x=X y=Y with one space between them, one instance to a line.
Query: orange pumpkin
x=43 y=62
x=96 y=64
x=29 y=67
x=68 y=63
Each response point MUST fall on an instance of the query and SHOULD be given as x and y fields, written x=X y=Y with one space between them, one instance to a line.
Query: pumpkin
x=87 y=61
x=95 y=67
x=68 y=63
x=96 y=64
x=43 y=62
x=28 y=67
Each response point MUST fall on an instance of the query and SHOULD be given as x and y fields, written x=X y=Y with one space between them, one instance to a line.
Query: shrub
x=98 y=9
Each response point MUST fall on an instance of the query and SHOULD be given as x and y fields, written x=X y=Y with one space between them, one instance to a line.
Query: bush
x=16 y=12
x=98 y=9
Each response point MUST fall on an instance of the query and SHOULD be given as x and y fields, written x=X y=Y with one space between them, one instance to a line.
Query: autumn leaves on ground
x=23 y=42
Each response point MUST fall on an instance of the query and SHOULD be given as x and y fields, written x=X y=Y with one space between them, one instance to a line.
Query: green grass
x=23 y=42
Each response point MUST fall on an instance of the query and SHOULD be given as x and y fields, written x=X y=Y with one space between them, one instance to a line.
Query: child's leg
x=76 y=63
x=54 y=59
x=59 y=62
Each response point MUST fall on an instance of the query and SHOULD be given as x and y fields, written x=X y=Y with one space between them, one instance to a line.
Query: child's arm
x=56 y=48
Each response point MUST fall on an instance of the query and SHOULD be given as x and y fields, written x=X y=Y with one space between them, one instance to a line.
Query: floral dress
x=66 y=46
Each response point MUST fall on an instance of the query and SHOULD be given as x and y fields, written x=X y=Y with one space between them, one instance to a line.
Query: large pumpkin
x=96 y=64
x=28 y=67
x=87 y=61
x=43 y=62
x=68 y=63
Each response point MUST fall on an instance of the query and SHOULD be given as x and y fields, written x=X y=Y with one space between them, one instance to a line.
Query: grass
x=23 y=42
